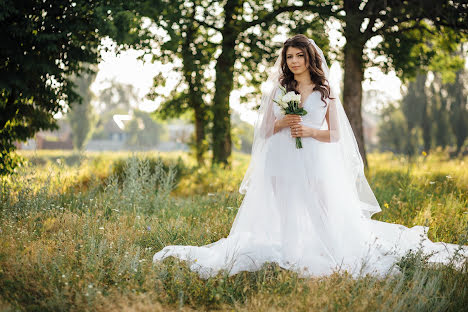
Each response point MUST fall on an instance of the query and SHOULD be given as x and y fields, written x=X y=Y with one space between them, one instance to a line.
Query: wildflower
x=424 y=153
x=386 y=205
x=90 y=286
x=148 y=228
x=448 y=176
x=101 y=228
x=431 y=182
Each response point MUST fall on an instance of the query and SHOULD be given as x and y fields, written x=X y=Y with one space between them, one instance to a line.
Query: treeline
x=432 y=114
x=215 y=46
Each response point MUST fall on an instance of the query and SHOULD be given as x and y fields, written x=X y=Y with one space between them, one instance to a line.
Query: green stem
x=298 y=143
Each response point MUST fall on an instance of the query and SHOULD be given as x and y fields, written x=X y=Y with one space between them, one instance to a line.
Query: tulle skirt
x=301 y=213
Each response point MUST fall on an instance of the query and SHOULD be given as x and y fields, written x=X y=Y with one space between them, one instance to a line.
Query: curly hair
x=313 y=63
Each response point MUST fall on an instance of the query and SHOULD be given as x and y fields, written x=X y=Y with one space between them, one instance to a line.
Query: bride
x=308 y=209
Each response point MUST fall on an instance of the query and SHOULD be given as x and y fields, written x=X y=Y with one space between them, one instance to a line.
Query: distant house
x=115 y=135
x=60 y=139
x=178 y=136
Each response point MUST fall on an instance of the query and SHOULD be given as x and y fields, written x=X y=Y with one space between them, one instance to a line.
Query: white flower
x=289 y=97
x=283 y=104
x=296 y=97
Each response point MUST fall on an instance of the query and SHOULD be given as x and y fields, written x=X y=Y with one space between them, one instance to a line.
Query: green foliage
x=81 y=116
x=152 y=166
x=189 y=42
x=43 y=45
x=393 y=132
x=116 y=98
x=430 y=116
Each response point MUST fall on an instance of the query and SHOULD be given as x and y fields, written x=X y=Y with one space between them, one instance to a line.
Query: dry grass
x=66 y=244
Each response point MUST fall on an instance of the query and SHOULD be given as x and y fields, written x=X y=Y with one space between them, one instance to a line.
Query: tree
x=393 y=131
x=364 y=20
x=117 y=97
x=459 y=108
x=433 y=106
x=238 y=20
x=414 y=108
x=43 y=44
x=246 y=30
x=361 y=21
x=189 y=42
x=81 y=115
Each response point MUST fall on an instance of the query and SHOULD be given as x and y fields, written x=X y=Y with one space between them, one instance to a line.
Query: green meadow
x=78 y=232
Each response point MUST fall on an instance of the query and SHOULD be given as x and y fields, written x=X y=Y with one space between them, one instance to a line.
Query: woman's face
x=295 y=59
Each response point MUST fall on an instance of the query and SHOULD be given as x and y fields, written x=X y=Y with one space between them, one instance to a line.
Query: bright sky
x=125 y=68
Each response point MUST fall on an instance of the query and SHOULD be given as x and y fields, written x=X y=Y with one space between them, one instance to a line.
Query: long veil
x=313 y=215
x=341 y=135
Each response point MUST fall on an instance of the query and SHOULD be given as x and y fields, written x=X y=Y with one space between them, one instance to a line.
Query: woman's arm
x=289 y=120
x=298 y=131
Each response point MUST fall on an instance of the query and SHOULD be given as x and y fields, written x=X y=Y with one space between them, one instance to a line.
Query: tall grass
x=66 y=244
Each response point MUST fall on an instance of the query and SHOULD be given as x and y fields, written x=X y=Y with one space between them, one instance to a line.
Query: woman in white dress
x=308 y=209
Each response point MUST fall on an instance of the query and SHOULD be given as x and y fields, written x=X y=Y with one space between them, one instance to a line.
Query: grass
x=77 y=234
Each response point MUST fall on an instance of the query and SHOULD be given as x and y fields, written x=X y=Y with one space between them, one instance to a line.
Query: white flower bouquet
x=289 y=102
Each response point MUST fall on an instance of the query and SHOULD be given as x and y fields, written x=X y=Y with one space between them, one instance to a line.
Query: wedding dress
x=308 y=210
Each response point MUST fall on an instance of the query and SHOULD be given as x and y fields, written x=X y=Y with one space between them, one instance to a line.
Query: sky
x=125 y=68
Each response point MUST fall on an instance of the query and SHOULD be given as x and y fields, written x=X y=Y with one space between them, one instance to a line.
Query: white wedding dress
x=309 y=210
x=303 y=213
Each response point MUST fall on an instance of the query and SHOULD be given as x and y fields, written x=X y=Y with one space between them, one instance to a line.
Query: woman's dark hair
x=313 y=63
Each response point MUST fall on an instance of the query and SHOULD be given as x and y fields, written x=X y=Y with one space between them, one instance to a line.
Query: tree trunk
x=221 y=113
x=199 y=117
x=193 y=76
x=354 y=75
x=426 y=124
x=222 y=142
x=459 y=118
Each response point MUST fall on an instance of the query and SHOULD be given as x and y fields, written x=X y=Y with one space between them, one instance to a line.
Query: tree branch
x=325 y=10
x=203 y=23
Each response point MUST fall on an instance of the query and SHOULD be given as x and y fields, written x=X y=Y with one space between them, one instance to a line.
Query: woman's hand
x=289 y=120
x=300 y=131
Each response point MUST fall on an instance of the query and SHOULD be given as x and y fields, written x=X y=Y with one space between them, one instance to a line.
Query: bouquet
x=289 y=102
